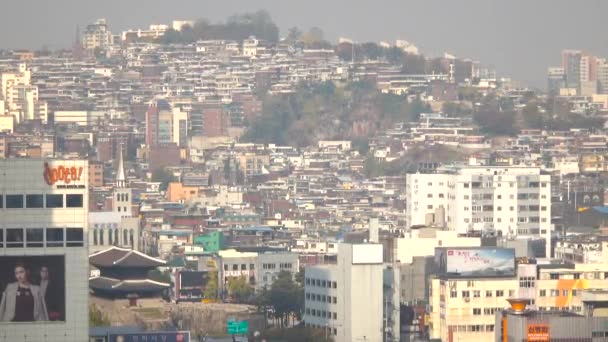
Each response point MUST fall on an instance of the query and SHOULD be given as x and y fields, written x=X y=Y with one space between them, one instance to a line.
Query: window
x=235 y=267
x=500 y=293
x=1 y=238
x=225 y=266
x=75 y=237
x=335 y=300
x=334 y=284
x=465 y=294
x=34 y=201
x=73 y=201
x=554 y=293
x=334 y=315
x=543 y=293
x=565 y=292
x=243 y=267
x=574 y=293
x=577 y=276
x=453 y=294
x=14 y=237
x=476 y=294
x=34 y=237
x=476 y=311
x=488 y=293
x=252 y=267
x=54 y=201
x=553 y=276
x=14 y=201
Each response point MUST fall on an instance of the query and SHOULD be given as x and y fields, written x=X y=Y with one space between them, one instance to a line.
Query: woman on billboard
x=22 y=301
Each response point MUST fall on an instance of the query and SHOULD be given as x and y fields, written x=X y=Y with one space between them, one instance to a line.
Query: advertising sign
x=538 y=333
x=163 y=336
x=33 y=288
x=476 y=262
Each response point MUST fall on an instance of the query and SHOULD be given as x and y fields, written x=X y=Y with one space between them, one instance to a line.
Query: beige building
x=464 y=309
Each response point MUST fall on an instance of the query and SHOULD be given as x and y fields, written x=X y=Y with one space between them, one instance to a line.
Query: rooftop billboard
x=475 y=262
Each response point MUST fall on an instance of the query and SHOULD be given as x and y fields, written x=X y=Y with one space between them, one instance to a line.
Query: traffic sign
x=237 y=327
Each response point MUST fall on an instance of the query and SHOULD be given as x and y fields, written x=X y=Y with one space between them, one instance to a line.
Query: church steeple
x=121 y=179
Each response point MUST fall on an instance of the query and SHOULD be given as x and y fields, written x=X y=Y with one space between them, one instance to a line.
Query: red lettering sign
x=63 y=174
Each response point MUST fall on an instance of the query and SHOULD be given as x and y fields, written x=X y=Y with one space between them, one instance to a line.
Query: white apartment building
x=97 y=35
x=43 y=222
x=508 y=201
x=346 y=299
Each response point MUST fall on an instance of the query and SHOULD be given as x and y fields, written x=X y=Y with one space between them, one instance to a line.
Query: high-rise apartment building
x=165 y=125
x=97 y=35
x=506 y=201
x=346 y=299
x=556 y=80
x=571 y=63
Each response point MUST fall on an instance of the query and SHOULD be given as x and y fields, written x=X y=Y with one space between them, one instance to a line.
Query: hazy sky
x=518 y=37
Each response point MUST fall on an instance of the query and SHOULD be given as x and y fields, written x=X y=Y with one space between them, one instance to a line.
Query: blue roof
x=601 y=209
x=258 y=229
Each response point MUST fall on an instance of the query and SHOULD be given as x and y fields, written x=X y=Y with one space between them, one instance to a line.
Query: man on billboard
x=21 y=300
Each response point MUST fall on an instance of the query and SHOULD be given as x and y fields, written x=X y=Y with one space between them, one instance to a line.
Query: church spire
x=121 y=179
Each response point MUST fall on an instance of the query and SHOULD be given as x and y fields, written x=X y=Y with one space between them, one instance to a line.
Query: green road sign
x=237 y=327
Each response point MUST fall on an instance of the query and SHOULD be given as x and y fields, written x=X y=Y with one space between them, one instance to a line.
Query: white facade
x=97 y=35
x=509 y=201
x=347 y=298
x=422 y=242
x=28 y=192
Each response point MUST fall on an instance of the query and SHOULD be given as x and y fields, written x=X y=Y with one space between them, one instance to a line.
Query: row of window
x=113 y=235
x=41 y=237
x=321 y=283
x=321 y=298
x=477 y=293
x=243 y=267
x=328 y=329
x=587 y=275
x=563 y=308
x=322 y=313
x=471 y=328
x=37 y=201
x=556 y=293
x=486 y=311
x=235 y=267
x=521 y=219
x=274 y=266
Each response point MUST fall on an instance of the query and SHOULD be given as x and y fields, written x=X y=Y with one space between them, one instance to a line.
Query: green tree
x=286 y=297
x=159 y=276
x=97 y=318
x=532 y=116
x=212 y=286
x=164 y=177
x=239 y=289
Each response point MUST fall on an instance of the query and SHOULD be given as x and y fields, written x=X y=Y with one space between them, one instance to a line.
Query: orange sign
x=538 y=333
x=63 y=174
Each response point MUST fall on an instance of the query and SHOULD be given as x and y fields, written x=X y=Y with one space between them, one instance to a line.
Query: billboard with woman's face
x=32 y=288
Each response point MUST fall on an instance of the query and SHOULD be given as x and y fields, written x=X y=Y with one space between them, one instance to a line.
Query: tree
x=97 y=318
x=212 y=285
x=164 y=177
x=496 y=123
x=239 y=289
x=159 y=276
x=293 y=35
x=532 y=116
x=286 y=297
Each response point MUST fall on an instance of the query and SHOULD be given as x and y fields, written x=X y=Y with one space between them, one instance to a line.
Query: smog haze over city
x=518 y=37
x=303 y=171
